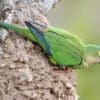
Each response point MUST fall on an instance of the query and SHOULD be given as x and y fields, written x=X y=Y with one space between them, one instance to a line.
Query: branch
x=25 y=72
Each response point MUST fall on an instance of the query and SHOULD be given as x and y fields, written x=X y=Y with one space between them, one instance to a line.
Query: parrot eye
x=99 y=53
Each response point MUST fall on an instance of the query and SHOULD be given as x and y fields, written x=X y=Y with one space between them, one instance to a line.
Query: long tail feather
x=18 y=29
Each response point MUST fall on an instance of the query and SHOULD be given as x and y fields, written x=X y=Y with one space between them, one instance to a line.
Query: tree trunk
x=25 y=73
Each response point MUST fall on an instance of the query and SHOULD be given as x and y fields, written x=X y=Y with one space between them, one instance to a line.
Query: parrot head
x=92 y=54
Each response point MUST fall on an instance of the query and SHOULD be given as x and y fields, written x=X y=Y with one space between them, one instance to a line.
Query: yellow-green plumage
x=62 y=47
x=66 y=48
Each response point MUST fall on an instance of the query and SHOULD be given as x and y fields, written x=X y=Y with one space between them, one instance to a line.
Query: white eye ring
x=99 y=53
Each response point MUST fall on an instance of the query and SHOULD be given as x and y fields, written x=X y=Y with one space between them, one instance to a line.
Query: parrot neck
x=91 y=55
x=92 y=60
x=88 y=61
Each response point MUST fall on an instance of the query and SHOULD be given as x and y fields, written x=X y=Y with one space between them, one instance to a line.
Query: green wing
x=66 y=48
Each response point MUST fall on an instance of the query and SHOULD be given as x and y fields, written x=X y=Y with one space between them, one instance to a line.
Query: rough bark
x=25 y=73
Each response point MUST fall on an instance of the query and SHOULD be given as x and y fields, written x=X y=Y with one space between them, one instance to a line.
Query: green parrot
x=62 y=47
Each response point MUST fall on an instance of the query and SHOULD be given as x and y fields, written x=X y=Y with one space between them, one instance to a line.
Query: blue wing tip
x=27 y=23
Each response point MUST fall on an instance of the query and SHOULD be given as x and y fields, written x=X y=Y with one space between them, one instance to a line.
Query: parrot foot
x=62 y=68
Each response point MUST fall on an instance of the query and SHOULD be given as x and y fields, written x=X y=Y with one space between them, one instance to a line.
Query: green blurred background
x=81 y=17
